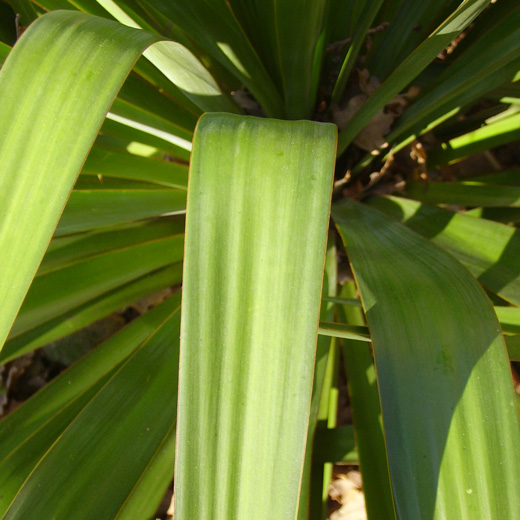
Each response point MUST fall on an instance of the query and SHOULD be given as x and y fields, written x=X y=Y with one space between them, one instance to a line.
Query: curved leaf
x=443 y=373
x=488 y=249
x=56 y=87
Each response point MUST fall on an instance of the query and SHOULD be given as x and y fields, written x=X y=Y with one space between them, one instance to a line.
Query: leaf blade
x=444 y=342
x=251 y=196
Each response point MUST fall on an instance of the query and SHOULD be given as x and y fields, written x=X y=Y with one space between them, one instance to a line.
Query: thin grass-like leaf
x=366 y=415
x=90 y=278
x=495 y=134
x=370 y=10
x=464 y=194
x=342 y=330
x=411 y=67
x=323 y=346
x=91 y=209
x=91 y=311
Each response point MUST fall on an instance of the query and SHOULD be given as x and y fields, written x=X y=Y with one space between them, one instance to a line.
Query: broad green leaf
x=149 y=90
x=255 y=242
x=126 y=129
x=110 y=443
x=489 y=250
x=443 y=373
x=91 y=311
x=49 y=116
x=300 y=32
x=157 y=124
x=464 y=193
x=87 y=279
x=366 y=415
x=411 y=67
x=180 y=66
x=90 y=209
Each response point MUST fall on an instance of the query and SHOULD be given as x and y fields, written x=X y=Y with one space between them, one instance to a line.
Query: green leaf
x=180 y=66
x=67 y=249
x=370 y=10
x=342 y=330
x=90 y=209
x=91 y=311
x=50 y=113
x=323 y=348
x=25 y=9
x=494 y=134
x=411 y=67
x=489 y=250
x=464 y=193
x=255 y=242
x=413 y=21
x=366 y=416
x=88 y=279
x=488 y=63
x=513 y=347
x=135 y=132
x=102 y=161
x=443 y=373
x=215 y=28
x=509 y=318
x=300 y=32
x=509 y=177
x=4 y=51
x=111 y=441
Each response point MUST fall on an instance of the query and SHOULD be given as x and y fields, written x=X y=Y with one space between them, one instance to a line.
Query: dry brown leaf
x=347 y=491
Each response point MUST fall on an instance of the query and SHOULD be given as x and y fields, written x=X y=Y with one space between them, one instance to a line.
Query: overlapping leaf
x=442 y=369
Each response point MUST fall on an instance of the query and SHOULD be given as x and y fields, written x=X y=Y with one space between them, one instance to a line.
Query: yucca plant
x=95 y=145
